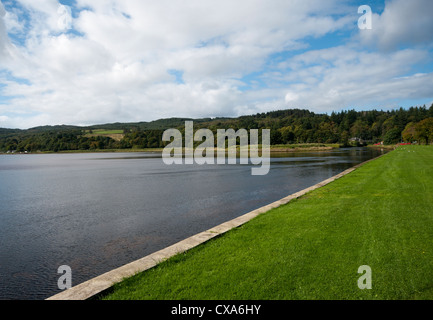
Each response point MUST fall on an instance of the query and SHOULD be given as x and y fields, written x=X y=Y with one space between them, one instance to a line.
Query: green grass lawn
x=380 y=215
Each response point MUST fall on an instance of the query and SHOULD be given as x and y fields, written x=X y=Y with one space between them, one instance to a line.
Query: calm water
x=96 y=212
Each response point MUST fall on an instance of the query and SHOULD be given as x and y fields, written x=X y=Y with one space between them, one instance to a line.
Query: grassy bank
x=102 y=151
x=380 y=215
x=276 y=148
x=303 y=147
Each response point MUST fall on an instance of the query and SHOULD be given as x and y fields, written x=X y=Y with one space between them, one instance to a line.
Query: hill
x=292 y=126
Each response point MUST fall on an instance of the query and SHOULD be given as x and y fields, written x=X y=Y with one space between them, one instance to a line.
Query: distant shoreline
x=274 y=149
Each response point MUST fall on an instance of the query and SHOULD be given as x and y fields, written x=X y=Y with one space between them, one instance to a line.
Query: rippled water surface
x=96 y=212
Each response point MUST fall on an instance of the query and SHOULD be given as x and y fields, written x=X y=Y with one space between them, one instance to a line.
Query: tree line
x=293 y=126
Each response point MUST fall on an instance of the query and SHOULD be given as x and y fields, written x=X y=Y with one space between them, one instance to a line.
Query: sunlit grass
x=380 y=215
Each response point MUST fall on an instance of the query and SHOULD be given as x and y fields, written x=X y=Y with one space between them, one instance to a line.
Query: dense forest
x=287 y=127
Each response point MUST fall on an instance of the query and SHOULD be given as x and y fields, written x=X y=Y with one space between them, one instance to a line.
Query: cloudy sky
x=87 y=62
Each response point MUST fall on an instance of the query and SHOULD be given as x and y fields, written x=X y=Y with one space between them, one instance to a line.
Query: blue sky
x=85 y=62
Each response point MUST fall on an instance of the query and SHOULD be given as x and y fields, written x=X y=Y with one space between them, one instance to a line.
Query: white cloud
x=115 y=64
x=401 y=23
x=344 y=77
x=118 y=70
x=46 y=16
x=13 y=25
x=3 y=35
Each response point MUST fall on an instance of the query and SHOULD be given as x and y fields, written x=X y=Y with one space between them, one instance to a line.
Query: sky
x=86 y=62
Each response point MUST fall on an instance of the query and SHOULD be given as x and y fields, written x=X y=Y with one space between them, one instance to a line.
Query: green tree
x=424 y=130
x=392 y=136
x=360 y=129
x=409 y=132
x=287 y=135
x=276 y=137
